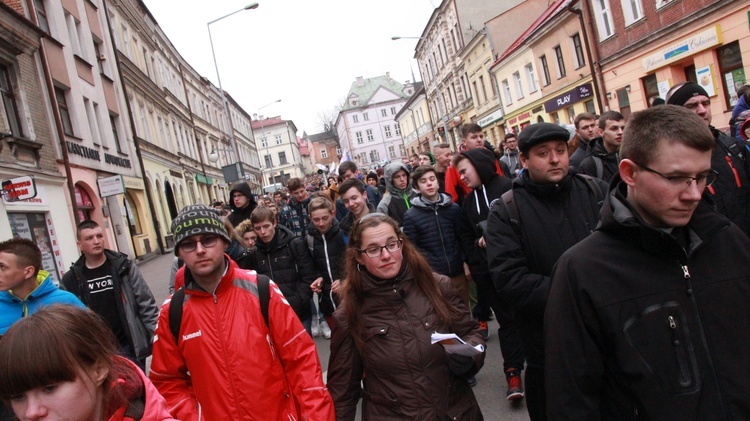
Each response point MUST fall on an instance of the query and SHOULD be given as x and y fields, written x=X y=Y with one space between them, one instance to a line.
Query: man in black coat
x=604 y=157
x=549 y=209
x=477 y=168
x=242 y=203
x=641 y=323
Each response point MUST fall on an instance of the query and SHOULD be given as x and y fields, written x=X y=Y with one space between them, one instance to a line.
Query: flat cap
x=539 y=133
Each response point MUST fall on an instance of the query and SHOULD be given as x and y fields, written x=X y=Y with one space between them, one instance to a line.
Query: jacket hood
x=389 y=171
x=444 y=200
x=244 y=188
x=484 y=163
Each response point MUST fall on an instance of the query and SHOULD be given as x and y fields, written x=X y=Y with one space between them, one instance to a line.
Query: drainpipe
x=595 y=75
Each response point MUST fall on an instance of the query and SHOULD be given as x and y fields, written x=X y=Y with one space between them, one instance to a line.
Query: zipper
x=680 y=352
x=222 y=339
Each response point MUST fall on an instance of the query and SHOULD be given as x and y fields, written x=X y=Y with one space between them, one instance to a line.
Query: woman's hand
x=317 y=285
x=336 y=286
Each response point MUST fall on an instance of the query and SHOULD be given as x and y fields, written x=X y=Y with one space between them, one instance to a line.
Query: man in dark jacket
x=348 y=170
x=242 y=203
x=113 y=287
x=604 y=152
x=294 y=215
x=641 y=324
x=549 y=210
x=397 y=201
x=355 y=197
x=432 y=225
x=731 y=191
x=587 y=130
x=477 y=168
x=283 y=257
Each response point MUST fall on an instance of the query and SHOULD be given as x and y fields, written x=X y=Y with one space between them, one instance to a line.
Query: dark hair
x=262 y=214
x=351 y=183
x=609 y=115
x=86 y=224
x=424 y=280
x=670 y=123
x=347 y=166
x=510 y=134
x=458 y=158
x=419 y=172
x=294 y=184
x=583 y=116
x=56 y=344
x=467 y=129
x=26 y=251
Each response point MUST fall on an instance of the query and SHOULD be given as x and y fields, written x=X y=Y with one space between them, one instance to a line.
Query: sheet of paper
x=455 y=345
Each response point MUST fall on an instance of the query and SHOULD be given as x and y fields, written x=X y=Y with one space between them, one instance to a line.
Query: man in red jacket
x=227 y=363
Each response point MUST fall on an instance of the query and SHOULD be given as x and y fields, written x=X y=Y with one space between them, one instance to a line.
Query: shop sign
x=687 y=47
x=487 y=120
x=39 y=200
x=110 y=186
x=83 y=151
x=134 y=183
x=116 y=160
x=19 y=188
x=570 y=97
x=520 y=117
x=200 y=178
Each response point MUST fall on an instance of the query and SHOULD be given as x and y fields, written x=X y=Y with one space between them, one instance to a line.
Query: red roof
x=551 y=11
x=267 y=122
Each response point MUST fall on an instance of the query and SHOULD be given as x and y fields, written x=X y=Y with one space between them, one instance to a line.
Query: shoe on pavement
x=515 y=385
x=485 y=329
x=472 y=381
x=325 y=330
x=315 y=328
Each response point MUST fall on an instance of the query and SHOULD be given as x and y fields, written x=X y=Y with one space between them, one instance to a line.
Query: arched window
x=83 y=203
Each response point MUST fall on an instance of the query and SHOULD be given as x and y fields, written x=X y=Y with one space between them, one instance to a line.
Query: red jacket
x=456 y=187
x=155 y=406
x=239 y=369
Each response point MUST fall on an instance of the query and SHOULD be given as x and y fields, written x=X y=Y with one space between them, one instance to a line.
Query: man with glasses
x=242 y=203
x=548 y=211
x=731 y=192
x=228 y=363
x=640 y=322
x=510 y=155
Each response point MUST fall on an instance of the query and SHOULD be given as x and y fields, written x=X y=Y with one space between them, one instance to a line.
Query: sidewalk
x=156 y=273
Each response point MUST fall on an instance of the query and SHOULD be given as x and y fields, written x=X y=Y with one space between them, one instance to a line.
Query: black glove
x=460 y=365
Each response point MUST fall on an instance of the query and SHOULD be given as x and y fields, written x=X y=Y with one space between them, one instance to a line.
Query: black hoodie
x=610 y=161
x=240 y=214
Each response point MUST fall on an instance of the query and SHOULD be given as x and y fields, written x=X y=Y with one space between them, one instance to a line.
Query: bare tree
x=327 y=120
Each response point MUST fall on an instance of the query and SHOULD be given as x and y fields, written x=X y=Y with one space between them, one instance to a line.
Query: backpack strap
x=264 y=295
x=514 y=213
x=310 y=241
x=175 y=313
x=593 y=186
x=599 y=166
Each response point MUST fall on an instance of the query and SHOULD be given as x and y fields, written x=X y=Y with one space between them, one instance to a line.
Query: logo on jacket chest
x=191 y=335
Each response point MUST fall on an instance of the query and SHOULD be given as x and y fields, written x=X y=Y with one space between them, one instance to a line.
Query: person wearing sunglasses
x=647 y=317
x=391 y=304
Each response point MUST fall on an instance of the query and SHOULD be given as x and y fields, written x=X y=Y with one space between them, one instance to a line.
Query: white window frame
x=324 y=153
x=632 y=11
x=518 y=84
x=370 y=137
x=384 y=112
x=366 y=116
x=278 y=139
x=387 y=130
x=580 y=61
x=603 y=16
x=531 y=78
x=360 y=139
x=355 y=118
x=506 y=91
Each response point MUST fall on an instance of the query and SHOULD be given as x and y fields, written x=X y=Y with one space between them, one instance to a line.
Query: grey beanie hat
x=197 y=219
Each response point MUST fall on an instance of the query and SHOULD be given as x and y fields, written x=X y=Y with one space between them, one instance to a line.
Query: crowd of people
x=612 y=259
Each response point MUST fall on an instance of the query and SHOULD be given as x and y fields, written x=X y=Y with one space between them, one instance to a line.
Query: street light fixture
x=438 y=94
x=240 y=172
x=262 y=124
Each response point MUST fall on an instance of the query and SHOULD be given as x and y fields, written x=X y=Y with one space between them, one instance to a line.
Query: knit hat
x=195 y=220
x=685 y=92
x=539 y=133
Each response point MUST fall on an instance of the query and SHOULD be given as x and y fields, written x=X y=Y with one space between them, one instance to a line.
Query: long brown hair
x=55 y=345
x=353 y=292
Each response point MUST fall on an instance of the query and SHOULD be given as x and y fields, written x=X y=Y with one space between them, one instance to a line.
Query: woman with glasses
x=381 y=349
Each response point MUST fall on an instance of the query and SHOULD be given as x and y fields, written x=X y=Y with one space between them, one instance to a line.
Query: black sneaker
x=515 y=385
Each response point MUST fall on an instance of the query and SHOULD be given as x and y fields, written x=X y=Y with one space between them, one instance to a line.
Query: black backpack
x=178 y=299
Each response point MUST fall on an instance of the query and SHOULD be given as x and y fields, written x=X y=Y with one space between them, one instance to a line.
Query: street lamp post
x=441 y=109
x=270 y=158
x=232 y=142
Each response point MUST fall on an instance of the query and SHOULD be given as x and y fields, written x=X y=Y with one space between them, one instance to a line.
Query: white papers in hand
x=455 y=345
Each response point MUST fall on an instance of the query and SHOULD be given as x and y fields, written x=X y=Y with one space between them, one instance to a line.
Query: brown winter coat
x=405 y=377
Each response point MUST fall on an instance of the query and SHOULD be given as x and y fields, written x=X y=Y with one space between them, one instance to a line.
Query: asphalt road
x=491 y=386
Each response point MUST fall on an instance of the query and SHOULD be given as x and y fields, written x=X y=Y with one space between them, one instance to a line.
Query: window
x=401 y=150
x=393 y=110
x=115 y=135
x=278 y=139
x=41 y=15
x=355 y=118
x=398 y=129
x=555 y=118
x=506 y=92
x=545 y=70
x=650 y=88
x=338 y=151
x=374 y=156
x=632 y=10
x=518 y=85
x=282 y=158
x=531 y=78
x=9 y=102
x=476 y=90
x=387 y=130
x=590 y=106
x=263 y=142
x=384 y=112
x=366 y=116
x=370 y=137
x=62 y=107
x=269 y=161
x=484 y=89
x=359 y=138
x=732 y=71
x=391 y=152
x=603 y=16
x=324 y=153
x=74 y=31
x=560 y=62
x=578 y=51
x=571 y=114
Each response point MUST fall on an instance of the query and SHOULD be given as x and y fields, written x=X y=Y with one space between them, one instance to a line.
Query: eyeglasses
x=683 y=181
x=376 y=251
x=206 y=242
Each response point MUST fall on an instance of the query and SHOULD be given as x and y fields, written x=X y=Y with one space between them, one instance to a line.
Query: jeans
x=307 y=323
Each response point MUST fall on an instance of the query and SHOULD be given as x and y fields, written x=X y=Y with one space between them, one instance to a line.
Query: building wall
x=266 y=136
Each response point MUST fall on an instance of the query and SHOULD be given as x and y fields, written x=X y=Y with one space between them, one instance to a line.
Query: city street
x=490 y=388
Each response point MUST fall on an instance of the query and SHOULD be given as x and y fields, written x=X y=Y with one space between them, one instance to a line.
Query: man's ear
x=627 y=171
x=28 y=272
x=523 y=160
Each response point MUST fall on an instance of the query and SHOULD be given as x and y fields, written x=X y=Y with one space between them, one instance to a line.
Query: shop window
x=732 y=71
x=590 y=106
x=131 y=212
x=38 y=228
x=84 y=204
x=650 y=88
x=555 y=117
x=624 y=101
x=571 y=114
x=690 y=74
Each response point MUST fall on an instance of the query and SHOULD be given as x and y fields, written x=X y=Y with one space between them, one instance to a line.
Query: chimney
x=360 y=81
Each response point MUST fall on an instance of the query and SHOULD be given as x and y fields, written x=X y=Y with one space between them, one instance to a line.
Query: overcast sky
x=305 y=52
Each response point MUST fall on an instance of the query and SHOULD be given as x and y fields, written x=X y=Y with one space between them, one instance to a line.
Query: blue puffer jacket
x=13 y=308
x=433 y=229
